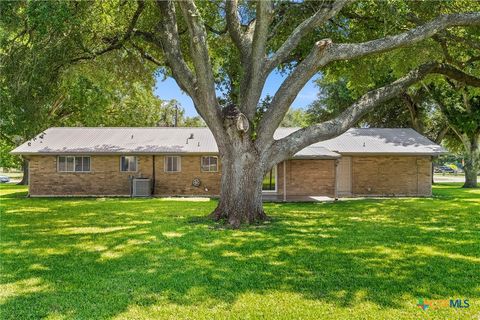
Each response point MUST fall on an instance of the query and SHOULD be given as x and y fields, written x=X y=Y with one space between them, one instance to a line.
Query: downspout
x=335 y=168
x=28 y=175
x=153 y=175
x=416 y=162
x=284 y=180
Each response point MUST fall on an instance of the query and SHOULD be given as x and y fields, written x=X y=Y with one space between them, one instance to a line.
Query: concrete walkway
x=279 y=198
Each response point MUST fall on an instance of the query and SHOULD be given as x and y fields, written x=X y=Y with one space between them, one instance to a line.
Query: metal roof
x=373 y=141
x=158 y=140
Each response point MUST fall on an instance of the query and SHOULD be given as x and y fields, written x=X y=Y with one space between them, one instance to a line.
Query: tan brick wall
x=180 y=183
x=106 y=178
x=379 y=175
x=391 y=175
x=308 y=177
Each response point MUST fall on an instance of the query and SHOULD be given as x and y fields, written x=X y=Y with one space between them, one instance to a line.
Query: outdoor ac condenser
x=141 y=187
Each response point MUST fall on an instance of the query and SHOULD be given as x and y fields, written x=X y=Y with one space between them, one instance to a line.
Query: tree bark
x=472 y=163
x=241 y=189
x=24 y=180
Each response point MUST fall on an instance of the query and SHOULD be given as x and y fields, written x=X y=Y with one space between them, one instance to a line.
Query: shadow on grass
x=95 y=258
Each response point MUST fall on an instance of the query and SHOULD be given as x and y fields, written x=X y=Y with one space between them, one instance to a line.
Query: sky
x=168 y=89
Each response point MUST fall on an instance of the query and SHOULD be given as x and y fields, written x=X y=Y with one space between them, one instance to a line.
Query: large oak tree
x=233 y=46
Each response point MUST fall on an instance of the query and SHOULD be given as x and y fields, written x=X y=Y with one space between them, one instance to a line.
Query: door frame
x=349 y=175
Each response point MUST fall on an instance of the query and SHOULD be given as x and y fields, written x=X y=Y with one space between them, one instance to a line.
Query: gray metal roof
x=372 y=141
x=158 y=140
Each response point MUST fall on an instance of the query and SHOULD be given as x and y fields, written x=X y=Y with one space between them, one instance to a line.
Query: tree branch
x=116 y=43
x=348 y=51
x=235 y=29
x=254 y=77
x=291 y=144
x=456 y=74
x=288 y=91
x=217 y=32
x=206 y=104
x=170 y=43
x=148 y=56
x=320 y=17
x=441 y=134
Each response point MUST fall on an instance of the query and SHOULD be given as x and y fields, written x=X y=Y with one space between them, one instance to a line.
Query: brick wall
x=379 y=175
x=391 y=175
x=180 y=183
x=308 y=177
x=106 y=178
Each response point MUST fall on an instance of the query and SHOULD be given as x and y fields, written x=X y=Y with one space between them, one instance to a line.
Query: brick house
x=184 y=162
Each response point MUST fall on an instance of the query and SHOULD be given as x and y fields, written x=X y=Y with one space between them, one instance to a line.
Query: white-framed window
x=73 y=164
x=128 y=163
x=270 y=181
x=172 y=164
x=209 y=164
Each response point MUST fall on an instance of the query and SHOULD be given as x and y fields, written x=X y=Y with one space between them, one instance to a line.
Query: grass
x=152 y=258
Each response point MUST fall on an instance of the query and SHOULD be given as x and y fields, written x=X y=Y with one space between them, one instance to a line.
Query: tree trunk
x=472 y=164
x=241 y=188
x=24 y=180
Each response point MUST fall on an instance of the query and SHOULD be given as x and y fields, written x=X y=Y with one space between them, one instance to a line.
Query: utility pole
x=176 y=115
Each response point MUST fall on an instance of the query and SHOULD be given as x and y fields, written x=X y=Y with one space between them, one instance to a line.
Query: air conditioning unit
x=141 y=187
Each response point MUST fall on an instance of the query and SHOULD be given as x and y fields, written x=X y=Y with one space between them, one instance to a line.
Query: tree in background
x=461 y=107
x=295 y=118
x=335 y=97
x=233 y=46
x=43 y=84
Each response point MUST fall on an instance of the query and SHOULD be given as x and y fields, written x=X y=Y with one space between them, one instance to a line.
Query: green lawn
x=152 y=258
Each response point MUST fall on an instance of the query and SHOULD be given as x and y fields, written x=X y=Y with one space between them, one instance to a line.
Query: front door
x=344 y=176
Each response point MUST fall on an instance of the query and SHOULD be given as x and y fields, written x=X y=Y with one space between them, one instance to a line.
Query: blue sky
x=168 y=89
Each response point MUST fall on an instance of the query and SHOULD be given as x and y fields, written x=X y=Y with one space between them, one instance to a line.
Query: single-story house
x=102 y=161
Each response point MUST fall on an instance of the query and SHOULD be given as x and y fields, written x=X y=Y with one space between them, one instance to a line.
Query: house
x=184 y=162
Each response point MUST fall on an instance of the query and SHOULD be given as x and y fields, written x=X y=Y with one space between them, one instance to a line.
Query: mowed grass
x=158 y=259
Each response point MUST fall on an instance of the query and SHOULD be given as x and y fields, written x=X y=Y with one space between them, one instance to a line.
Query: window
x=128 y=163
x=209 y=164
x=270 y=180
x=73 y=164
x=172 y=164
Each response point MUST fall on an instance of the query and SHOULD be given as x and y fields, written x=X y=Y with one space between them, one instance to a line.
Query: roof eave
x=393 y=153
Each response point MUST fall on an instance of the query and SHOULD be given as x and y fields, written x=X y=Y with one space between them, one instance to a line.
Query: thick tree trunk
x=472 y=164
x=24 y=180
x=241 y=188
x=470 y=178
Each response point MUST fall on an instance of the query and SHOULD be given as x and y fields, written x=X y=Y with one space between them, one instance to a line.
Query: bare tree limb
x=239 y=37
x=291 y=144
x=320 y=17
x=254 y=78
x=457 y=74
x=348 y=51
x=206 y=104
x=170 y=43
x=288 y=91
